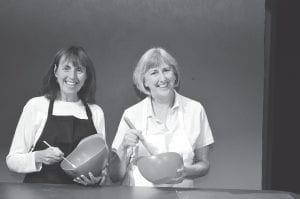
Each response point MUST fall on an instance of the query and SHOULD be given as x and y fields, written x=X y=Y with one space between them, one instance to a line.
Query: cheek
x=57 y=74
x=59 y=78
x=82 y=77
x=150 y=81
x=146 y=81
x=60 y=75
x=172 y=78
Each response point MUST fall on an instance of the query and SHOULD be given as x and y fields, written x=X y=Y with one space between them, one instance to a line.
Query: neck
x=166 y=102
x=68 y=98
x=161 y=107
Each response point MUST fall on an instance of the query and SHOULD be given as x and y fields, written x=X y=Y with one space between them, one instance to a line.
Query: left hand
x=91 y=180
x=181 y=173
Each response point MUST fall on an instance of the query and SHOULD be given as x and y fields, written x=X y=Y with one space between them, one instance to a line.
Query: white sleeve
x=205 y=136
x=20 y=158
x=98 y=119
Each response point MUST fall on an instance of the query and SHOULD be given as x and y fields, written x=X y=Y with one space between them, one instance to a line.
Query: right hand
x=131 y=138
x=49 y=155
x=92 y=180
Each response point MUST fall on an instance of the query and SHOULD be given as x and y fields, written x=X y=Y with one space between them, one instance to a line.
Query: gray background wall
x=218 y=44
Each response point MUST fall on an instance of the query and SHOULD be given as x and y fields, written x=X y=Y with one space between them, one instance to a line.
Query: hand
x=92 y=180
x=132 y=137
x=181 y=173
x=49 y=156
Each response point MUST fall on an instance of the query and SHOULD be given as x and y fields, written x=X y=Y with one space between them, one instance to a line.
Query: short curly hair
x=153 y=57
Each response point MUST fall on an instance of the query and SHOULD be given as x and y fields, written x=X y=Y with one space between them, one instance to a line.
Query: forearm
x=197 y=169
x=117 y=165
x=23 y=163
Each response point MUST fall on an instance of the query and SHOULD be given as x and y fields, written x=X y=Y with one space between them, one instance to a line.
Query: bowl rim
x=83 y=162
x=159 y=154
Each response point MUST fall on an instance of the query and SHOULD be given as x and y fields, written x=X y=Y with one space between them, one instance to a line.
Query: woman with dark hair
x=63 y=115
x=165 y=121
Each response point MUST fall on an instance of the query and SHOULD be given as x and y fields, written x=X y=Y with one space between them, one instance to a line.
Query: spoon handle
x=68 y=161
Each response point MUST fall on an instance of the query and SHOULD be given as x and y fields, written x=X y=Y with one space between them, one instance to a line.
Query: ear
x=55 y=69
x=145 y=82
x=176 y=82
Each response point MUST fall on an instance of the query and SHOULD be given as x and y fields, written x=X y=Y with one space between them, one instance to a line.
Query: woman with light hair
x=164 y=121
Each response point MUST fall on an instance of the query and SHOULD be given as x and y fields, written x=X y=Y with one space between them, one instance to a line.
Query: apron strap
x=89 y=114
x=50 y=108
x=88 y=110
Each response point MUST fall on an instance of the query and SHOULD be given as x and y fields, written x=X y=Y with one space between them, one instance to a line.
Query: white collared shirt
x=31 y=124
x=186 y=129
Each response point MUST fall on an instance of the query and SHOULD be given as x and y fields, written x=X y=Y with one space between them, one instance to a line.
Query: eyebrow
x=163 y=67
x=65 y=65
x=78 y=66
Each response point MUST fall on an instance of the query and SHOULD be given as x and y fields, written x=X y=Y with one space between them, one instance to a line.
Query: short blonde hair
x=153 y=57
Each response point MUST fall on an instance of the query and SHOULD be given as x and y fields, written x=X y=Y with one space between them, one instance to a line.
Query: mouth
x=70 y=82
x=162 y=85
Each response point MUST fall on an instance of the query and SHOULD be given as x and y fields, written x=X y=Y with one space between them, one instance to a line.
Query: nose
x=162 y=76
x=73 y=74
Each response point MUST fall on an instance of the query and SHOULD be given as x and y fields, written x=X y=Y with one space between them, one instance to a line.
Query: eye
x=66 y=68
x=153 y=72
x=166 y=69
x=80 y=69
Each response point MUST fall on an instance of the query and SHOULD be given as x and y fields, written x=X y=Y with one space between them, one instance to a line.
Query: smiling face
x=70 y=79
x=160 y=81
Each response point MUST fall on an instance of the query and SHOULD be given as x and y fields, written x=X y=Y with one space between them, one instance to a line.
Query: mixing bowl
x=160 y=168
x=90 y=155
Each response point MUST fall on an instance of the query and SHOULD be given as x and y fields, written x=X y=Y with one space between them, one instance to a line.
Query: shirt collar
x=150 y=112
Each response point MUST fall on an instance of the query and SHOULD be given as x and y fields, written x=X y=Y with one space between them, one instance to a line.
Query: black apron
x=64 y=132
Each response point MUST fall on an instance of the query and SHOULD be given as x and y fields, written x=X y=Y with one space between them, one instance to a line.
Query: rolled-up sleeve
x=20 y=158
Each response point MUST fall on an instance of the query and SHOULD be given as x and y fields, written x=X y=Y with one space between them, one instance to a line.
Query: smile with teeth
x=164 y=85
x=70 y=82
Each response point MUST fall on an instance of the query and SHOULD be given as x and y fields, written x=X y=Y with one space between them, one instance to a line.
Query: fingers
x=80 y=180
x=103 y=174
x=137 y=133
x=93 y=179
x=83 y=180
x=104 y=171
x=180 y=171
x=131 y=141
x=90 y=180
x=50 y=155
x=181 y=176
x=57 y=152
x=131 y=138
x=102 y=181
x=183 y=171
x=54 y=152
x=48 y=160
x=133 y=134
x=176 y=180
x=140 y=135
